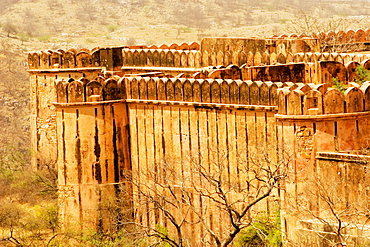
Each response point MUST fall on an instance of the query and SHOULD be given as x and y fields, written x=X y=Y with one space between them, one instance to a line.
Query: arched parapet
x=228 y=58
x=250 y=59
x=95 y=57
x=94 y=91
x=350 y=36
x=205 y=59
x=83 y=58
x=289 y=58
x=191 y=59
x=366 y=64
x=213 y=59
x=56 y=59
x=135 y=57
x=324 y=56
x=76 y=92
x=184 y=59
x=283 y=100
x=264 y=93
x=170 y=59
x=273 y=58
x=244 y=96
x=313 y=103
x=33 y=60
x=170 y=90
x=197 y=92
x=164 y=47
x=61 y=91
x=184 y=46
x=178 y=89
x=163 y=57
x=149 y=58
x=161 y=88
x=307 y=57
x=339 y=58
x=197 y=59
x=132 y=88
x=219 y=58
x=295 y=102
x=367 y=32
x=322 y=88
x=333 y=102
x=45 y=60
x=298 y=58
x=174 y=46
x=142 y=58
x=351 y=70
x=176 y=58
x=215 y=87
x=205 y=91
x=273 y=94
x=225 y=91
x=254 y=92
x=265 y=58
x=69 y=60
x=153 y=47
x=257 y=59
x=156 y=62
x=365 y=88
x=188 y=90
x=143 y=88
x=124 y=88
x=128 y=57
x=354 y=99
x=234 y=91
x=347 y=58
x=152 y=87
x=360 y=35
x=194 y=46
x=242 y=58
x=281 y=58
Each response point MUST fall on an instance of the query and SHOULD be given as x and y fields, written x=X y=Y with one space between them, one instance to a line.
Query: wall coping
x=56 y=70
x=344 y=157
x=323 y=117
x=170 y=103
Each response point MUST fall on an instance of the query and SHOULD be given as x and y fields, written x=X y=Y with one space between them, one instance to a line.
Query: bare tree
x=205 y=203
x=333 y=209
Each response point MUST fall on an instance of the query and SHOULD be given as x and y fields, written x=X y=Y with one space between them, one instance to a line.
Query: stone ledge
x=322 y=117
x=171 y=103
x=343 y=157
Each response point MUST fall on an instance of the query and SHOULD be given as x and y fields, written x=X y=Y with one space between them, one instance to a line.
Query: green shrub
x=362 y=74
x=112 y=28
x=339 y=85
x=264 y=231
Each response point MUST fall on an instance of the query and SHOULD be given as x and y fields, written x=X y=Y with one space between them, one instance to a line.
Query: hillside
x=34 y=25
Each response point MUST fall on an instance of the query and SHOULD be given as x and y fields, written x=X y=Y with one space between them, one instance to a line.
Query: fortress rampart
x=115 y=117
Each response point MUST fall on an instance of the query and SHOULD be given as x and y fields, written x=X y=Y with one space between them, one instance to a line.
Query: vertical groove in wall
x=227 y=149
x=237 y=149
x=115 y=149
x=97 y=151
x=181 y=144
x=78 y=149
x=78 y=164
x=65 y=174
x=247 y=132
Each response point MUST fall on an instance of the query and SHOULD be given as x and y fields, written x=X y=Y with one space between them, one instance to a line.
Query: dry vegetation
x=27 y=199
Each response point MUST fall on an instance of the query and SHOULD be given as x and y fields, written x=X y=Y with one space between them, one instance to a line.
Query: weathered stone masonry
x=109 y=112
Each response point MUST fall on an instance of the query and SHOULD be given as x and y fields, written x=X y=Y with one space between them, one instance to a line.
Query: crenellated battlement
x=320 y=99
x=291 y=98
x=169 y=89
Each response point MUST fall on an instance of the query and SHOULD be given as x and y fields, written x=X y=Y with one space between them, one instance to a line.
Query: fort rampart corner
x=110 y=117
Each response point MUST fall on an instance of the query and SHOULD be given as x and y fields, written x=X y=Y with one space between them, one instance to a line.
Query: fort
x=124 y=122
